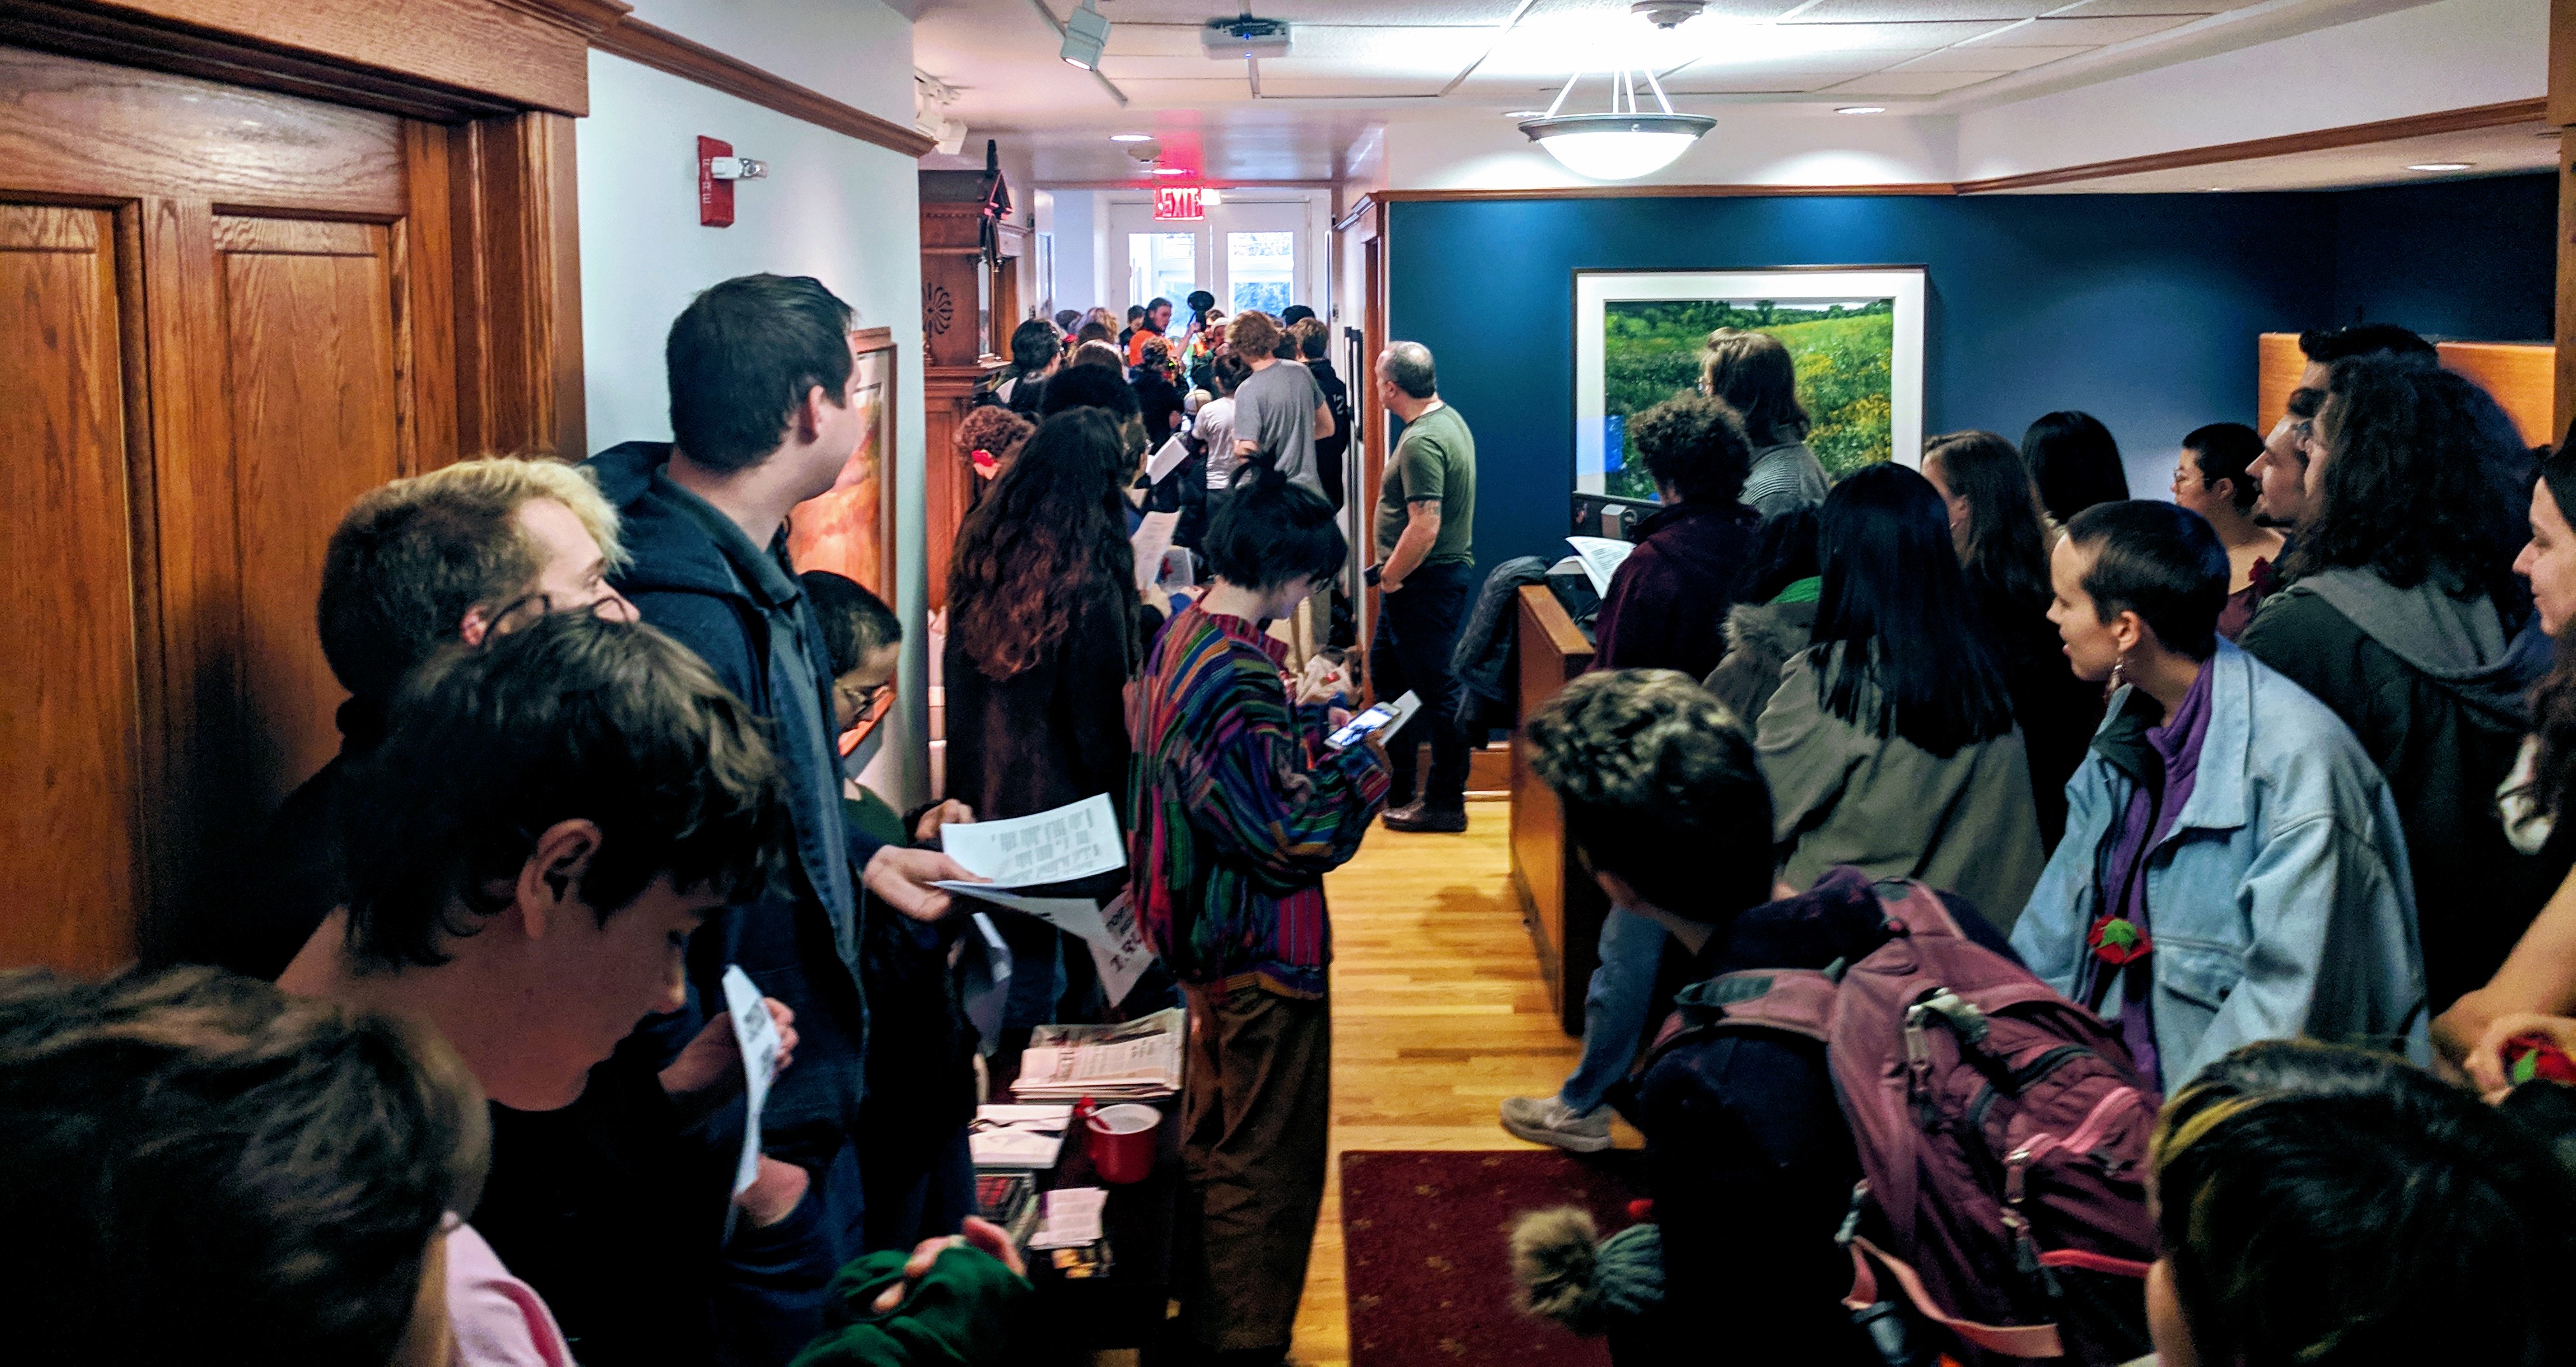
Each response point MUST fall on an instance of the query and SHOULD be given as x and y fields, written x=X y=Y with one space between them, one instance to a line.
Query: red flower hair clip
x=2117 y=941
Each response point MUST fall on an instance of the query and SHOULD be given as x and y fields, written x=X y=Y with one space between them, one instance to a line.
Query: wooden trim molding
x=2288 y=144
x=668 y=52
x=430 y=59
x=1918 y=187
x=2319 y=140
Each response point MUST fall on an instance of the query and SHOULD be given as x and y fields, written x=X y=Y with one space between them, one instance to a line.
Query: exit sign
x=1178 y=202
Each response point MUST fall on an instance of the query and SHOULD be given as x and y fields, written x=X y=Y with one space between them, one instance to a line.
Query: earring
x=2119 y=671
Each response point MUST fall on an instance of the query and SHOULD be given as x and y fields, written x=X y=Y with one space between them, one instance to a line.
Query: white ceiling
x=1356 y=65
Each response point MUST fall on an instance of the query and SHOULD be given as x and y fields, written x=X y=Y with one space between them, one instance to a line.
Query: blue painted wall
x=2473 y=259
x=2141 y=309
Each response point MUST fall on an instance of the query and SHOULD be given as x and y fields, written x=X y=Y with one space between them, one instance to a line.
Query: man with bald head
x=1426 y=570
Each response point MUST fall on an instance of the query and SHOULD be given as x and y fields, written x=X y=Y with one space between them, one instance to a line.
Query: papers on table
x=1153 y=537
x=1138 y=1060
x=757 y=1036
x=1072 y=1217
x=1018 y=1136
x=1601 y=558
x=1070 y=842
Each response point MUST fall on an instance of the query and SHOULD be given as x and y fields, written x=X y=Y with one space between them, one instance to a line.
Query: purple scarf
x=2153 y=809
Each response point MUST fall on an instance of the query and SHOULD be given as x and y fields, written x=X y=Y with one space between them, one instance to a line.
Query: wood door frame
x=1365 y=225
x=486 y=233
x=494 y=87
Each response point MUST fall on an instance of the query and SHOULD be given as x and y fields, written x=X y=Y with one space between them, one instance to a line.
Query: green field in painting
x=1650 y=351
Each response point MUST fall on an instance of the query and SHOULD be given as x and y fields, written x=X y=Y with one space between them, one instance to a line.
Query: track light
x=1086 y=32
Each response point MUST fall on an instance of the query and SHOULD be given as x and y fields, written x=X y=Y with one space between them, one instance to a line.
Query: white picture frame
x=1594 y=290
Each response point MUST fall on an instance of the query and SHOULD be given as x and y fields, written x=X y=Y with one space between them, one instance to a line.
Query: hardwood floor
x=1438 y=1014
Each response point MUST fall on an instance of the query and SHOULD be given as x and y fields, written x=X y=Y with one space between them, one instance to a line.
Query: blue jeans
x=1615 y=1006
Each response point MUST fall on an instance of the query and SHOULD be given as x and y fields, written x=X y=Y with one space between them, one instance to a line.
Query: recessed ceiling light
x=1131 y=137
x=1862 y=109
x=1174 y=171
x=2441 y=166
x=1525 y=114
x=2215 y=189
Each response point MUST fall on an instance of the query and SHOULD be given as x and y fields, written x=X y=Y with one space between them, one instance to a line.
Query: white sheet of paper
x=1072 y=1218
x=1073 y=915
x=1153 y=537
x=1074 y=841
x=1167 y=458
x=757 y=1035
x=1602 y=558
x=1122 y=956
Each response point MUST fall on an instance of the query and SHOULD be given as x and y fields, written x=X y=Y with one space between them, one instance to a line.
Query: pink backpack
x=2002 y=1133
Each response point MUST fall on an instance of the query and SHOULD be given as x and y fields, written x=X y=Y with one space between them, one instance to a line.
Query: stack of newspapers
x=1138 y=1060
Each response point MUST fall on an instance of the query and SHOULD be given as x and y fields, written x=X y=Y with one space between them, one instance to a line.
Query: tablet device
x=1385 y=716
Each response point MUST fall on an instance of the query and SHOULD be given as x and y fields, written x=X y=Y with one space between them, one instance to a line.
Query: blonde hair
x=412 y=557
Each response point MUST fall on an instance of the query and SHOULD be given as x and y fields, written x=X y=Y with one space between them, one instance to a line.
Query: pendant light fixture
x=1627 y=140
x=1624 y=143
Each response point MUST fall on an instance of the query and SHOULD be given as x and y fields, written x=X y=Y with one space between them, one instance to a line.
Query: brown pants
x=1256 y=1106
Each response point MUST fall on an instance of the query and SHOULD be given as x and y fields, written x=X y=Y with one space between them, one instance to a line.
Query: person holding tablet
x=1236 y=810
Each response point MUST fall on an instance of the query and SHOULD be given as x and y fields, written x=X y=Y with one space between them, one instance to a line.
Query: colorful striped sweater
x=1236 y=810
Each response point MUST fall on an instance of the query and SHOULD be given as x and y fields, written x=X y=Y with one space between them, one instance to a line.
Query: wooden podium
x=1562 y=906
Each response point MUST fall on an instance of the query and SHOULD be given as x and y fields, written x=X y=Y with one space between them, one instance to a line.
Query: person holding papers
x=1236 y=810
x=1042 y=639
x=1665 y=609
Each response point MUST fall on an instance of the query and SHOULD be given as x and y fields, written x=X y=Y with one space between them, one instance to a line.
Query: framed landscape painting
x=849 y=530
x=1855 y=334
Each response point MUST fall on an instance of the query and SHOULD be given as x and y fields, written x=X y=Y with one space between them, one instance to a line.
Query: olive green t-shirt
x=1436 y=458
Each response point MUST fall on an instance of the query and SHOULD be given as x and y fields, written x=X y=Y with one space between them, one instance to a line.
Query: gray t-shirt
x=1275 y=410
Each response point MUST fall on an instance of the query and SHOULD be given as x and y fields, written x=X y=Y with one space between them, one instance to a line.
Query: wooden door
x=210 y=332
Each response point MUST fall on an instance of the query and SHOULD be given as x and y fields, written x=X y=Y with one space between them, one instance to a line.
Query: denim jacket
x=2280 y=903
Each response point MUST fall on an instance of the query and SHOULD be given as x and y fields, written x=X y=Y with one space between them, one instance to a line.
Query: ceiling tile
x=1715 y=11
x=1151 y=40
x=1155 y=94
x=1874 y=11
x=1119 y=68
x=1348 y=87
x=1861 y=37
x=1763 y=83
x=1410 y=13
x=2115 y=9
x=1912 y=83
x=2083 y=32
x=1989 y=57
x=1757 y=64
x=1405 y=47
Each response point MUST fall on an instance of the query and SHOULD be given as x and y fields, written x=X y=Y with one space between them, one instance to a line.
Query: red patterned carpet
x=1426 y=1240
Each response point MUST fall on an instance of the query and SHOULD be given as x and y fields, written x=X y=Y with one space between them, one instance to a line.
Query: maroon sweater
x=1667 y=604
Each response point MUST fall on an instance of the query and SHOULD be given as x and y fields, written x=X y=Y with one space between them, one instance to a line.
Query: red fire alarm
x=715 y=197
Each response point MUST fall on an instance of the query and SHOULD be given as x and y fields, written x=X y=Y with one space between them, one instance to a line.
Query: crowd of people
x=2259 y=783
x=2185 y=876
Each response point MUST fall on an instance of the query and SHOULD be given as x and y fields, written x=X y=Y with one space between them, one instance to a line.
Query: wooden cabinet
x=231 y=311
x=1561 y=905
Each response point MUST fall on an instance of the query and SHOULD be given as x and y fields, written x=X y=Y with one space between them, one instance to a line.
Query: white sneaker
x=1551 y=1121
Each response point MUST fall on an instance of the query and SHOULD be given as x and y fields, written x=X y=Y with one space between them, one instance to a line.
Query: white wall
x=1079 y=282
x=2454 y=54
x=856 y=51
x=841 y=210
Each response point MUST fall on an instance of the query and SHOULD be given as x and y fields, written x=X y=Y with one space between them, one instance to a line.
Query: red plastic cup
x=1122 y=1142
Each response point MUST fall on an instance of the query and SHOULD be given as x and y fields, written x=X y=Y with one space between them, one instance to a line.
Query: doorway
x=1251 y=253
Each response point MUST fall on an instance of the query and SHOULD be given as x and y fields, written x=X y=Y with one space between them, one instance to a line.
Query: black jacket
x=1667 y=605
x=1750 y=1162
x=260 y=919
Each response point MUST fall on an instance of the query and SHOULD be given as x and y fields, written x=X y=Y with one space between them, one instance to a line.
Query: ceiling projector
x=1243 y=36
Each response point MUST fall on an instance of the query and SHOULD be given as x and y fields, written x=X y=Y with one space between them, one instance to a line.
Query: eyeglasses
x=864 y=703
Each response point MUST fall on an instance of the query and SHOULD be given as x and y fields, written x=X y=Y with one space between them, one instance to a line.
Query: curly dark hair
x=1053 y=530
x=2416 y=482
x=1697 y=445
